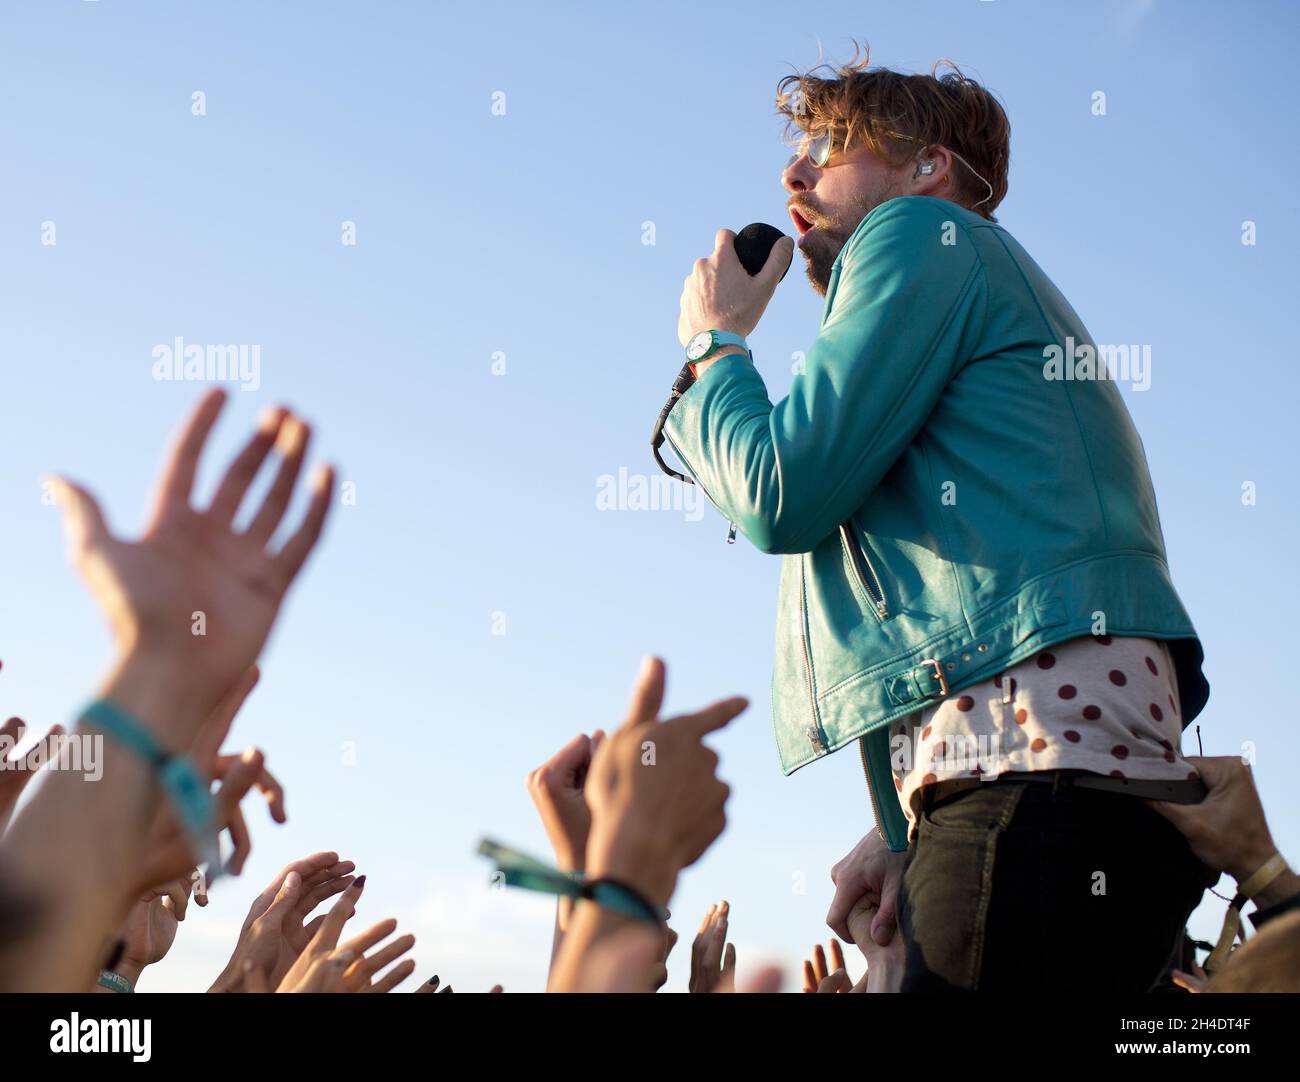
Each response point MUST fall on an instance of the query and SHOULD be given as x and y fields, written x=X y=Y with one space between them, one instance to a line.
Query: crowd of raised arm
x=97 y=873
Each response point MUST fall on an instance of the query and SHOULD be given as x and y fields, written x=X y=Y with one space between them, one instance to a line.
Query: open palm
x=192 y=587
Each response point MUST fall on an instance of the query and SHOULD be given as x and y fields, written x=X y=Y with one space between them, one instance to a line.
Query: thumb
x=284 y=900
x=83 y=522
x=778 y=262
x=648 y=695
x=885 y=923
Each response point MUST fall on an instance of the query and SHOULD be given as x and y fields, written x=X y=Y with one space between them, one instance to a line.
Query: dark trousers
x=1021 y=886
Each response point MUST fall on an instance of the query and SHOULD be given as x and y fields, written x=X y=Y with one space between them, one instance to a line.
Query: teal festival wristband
x=517 y=869
x=611 y=894
x=190 y=798
x=114 y=982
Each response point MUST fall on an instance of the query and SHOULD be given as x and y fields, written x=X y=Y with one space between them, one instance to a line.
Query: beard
x=822 y=246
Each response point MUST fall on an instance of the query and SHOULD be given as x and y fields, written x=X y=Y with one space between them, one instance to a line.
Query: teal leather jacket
x=945 y=508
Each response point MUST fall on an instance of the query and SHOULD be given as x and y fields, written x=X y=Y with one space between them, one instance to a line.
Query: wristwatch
x=707 y=343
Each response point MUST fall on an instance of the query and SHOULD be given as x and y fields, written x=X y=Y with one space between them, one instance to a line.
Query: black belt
x=1179 y=791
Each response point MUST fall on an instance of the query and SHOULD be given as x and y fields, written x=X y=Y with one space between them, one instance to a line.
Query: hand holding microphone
x=729 y=290
x=758 y=251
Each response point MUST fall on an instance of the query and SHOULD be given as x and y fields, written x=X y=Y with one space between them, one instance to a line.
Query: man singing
x=974 y=587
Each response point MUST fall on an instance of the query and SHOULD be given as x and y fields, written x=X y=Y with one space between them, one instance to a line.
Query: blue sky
x=522 y=234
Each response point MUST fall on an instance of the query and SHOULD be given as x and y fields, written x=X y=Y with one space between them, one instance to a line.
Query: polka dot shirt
x=1101 y=704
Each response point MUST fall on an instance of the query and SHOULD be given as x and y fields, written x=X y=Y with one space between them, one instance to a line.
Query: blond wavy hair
x=897 y=115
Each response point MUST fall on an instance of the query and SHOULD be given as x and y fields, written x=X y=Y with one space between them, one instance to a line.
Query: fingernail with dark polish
x=359 y=882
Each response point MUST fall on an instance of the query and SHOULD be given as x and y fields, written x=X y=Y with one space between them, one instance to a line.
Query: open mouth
x=801 y=221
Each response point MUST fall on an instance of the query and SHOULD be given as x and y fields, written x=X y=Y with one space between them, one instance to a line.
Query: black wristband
x=623 y=898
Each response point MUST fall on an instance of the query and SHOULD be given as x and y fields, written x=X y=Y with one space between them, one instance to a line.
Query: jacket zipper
x=803 y=635
x=871 y=790
x=869 y=582
x=731 y=526
x=877 y=596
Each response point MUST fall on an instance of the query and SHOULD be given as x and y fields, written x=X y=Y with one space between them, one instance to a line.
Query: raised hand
x=169 y=852
x=274 y=934
x=713 y=960
x=818 y=977
x=656 y=806
x=150 y=927
x=324 y=954
x=557 y=791
x=317 y=886
x=720 y=295
x=192 y=569
x=363 y=975
x=190 y=605
x=227 y=766
x=17 y=770
x=656 y=801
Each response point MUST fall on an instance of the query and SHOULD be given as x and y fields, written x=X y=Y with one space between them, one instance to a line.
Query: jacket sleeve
x=896 y=333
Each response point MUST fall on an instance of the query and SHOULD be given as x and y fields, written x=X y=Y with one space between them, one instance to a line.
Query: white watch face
x=699 y=345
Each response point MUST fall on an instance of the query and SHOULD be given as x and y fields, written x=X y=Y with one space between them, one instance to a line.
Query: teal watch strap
x=726 y=338
x=720 y=339
x=190 y=797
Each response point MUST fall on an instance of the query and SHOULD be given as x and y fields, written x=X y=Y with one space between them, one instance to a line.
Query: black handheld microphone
x=753 y=245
